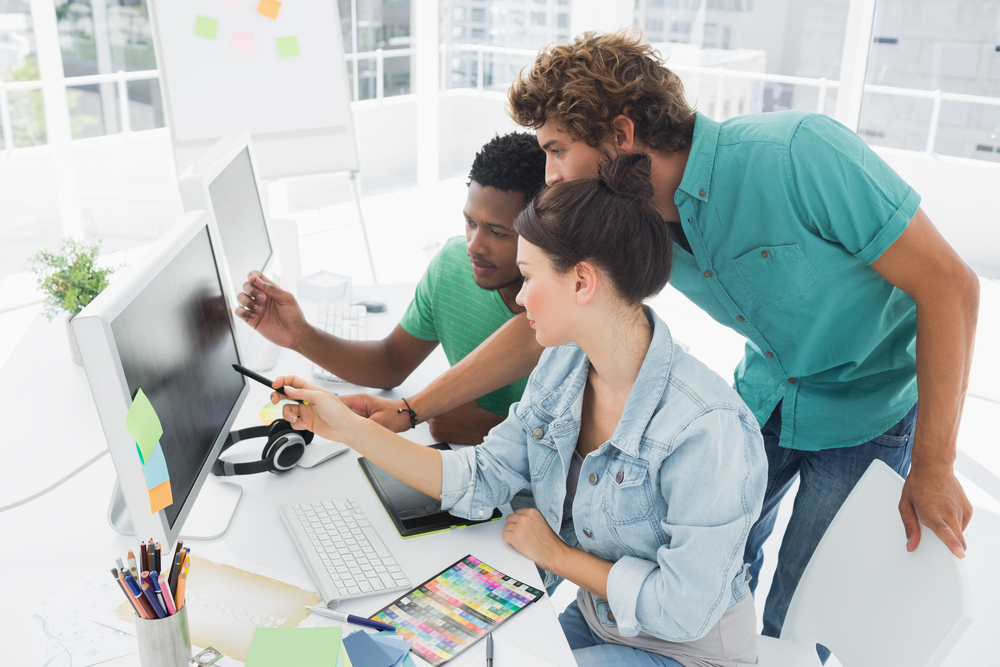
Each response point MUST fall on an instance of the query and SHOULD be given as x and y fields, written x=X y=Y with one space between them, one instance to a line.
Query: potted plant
x=70 y=280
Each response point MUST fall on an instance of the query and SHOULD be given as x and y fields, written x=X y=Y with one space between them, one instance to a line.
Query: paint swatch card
x=456 y=608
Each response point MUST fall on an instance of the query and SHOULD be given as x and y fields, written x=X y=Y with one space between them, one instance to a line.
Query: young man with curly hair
x=465 y=295
x=789 y=229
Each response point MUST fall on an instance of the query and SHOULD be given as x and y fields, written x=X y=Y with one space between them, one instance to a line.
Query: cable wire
x=57 y=484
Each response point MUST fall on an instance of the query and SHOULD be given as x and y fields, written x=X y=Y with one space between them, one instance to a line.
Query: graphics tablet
x=413 y=512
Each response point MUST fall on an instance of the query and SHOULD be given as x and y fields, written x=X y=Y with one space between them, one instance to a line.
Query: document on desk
x=228 y=600
x=60 y=630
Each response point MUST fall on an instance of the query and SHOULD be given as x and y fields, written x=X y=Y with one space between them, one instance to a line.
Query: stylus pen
x=350 y=618
x=489 y=650
x=264 y=381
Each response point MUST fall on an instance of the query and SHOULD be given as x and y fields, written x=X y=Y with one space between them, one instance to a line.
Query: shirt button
x=769 y=355
x=554 y=517
x=708 y=274
x=481 y=512
x=611 y=617
x=593 y=478
x=586 y=531
x=701 y=193
x=792 y=380
x=537 y=434
x=739 y=318
x=620 y=476
x=765 y=254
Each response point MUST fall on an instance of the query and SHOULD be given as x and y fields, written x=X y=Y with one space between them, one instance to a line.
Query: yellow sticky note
x=269 y=8
x=160 y=497
x=206 y=27
x=143 y=424
x=288 y=47
x=345 y=659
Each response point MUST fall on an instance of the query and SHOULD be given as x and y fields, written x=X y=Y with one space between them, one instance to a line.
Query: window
x=919 y=47
x=563 y=21
x=458 y=14
x=478 y=33
x=538 y=18
x=478 y=15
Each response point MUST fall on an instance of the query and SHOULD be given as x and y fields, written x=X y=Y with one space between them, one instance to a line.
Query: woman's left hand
x=529 y=533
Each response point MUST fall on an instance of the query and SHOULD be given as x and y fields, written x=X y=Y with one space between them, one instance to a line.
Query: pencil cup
x=164 y=642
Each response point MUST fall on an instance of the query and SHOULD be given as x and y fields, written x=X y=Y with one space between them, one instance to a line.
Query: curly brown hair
x=584 y=86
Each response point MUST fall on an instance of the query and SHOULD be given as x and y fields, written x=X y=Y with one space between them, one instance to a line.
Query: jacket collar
x=701 y=160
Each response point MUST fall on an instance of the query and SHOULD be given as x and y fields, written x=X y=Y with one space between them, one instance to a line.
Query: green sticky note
x=288 y=47
x=302 y=647
x=206 y=27
x=143 y=424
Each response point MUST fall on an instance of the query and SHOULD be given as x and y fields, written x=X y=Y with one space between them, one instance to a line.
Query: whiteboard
x=225 y=66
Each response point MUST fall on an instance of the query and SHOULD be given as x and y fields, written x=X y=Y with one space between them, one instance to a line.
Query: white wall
x=962 y=198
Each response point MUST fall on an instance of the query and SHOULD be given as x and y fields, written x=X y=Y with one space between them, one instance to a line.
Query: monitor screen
x=238 y=212
x=176 y=343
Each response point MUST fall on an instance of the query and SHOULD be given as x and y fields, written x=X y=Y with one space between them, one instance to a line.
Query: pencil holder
x=164 y=642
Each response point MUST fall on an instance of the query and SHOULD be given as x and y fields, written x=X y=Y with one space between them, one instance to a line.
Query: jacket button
x=765 y=254
x=701 y=193
x=611 y=617
x=586 y=531
x=739 y=318
x=620 y=476
x=537 y=434
x=708 y=274
x=769 y=355
x=792 y=380
x=593 y=478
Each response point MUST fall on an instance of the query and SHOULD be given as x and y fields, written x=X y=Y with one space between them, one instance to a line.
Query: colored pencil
x=143 y=558
x=118 y=577
x=150 y=594
x=133 y=585
x=167 y=597
x=181 y=585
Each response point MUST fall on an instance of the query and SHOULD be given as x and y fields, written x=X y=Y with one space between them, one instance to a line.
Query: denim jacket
x=669 y=499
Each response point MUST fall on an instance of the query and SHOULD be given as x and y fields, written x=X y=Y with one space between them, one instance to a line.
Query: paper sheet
x=242 y=40
x=365 y=652
x=143 y=423
x=60 y=629
x=288 y=47
x=269 y=8
x=206 y=27
x=155 y=468
x=160 y=497
x=226 y=604
x=303 y=647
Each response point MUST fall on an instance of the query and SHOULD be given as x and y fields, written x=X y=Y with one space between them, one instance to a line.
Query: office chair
x=867 y=599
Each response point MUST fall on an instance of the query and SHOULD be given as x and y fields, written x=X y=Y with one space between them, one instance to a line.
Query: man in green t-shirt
x=465 y=295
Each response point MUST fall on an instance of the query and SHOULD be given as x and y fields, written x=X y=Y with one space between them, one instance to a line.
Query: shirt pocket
x=628 y=498
x=779 y=276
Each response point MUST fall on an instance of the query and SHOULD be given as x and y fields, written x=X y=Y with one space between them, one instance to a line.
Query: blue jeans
x=826 y=478
x=589 y=650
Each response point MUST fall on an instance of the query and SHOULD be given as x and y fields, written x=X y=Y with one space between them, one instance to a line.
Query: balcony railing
x=721 y=74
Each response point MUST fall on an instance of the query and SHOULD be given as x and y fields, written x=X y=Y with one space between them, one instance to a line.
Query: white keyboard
x=342 y=321
x=345 y=557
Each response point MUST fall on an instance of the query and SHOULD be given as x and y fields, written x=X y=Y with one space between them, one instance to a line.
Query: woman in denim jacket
x=646 y=467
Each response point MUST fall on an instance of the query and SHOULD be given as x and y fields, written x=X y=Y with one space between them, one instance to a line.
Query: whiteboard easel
x=222 y=71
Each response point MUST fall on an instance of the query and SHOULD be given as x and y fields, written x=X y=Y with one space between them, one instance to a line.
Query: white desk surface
x=52 y=427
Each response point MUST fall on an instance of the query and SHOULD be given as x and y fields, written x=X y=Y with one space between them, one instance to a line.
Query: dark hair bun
x=628 y=175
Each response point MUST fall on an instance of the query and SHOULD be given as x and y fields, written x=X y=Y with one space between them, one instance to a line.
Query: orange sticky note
x=160 y=497
x=269 y=8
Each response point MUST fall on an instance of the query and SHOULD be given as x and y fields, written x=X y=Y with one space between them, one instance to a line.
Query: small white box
x=323 y=286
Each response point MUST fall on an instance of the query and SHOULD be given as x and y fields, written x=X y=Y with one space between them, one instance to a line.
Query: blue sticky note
x=155 y=468
x=364 y=652
x=395 y=648
x=408 y=661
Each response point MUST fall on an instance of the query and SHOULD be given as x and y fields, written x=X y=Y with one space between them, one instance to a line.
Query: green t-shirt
x=784 y=213
x=450 y=307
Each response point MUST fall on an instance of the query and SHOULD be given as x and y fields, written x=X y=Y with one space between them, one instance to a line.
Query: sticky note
x=160 y=497
x=288 y=47
x=344 y=660
x=395 y=648
x=143 y=424
x=206 y=27
x=302 y=647
x=155 y=468
x=242 y=40
x=364 y=652
x=269 y=8
x=408 y=661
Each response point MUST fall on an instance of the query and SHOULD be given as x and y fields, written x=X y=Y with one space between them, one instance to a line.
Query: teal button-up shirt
x=784 y=213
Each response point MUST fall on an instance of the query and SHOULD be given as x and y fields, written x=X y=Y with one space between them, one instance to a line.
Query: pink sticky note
x=242 y=41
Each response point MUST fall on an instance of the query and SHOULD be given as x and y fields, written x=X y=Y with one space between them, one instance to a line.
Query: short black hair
x=512 y=163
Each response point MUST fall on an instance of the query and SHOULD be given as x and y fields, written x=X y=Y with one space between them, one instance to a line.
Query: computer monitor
x=224 y=182
x=165 y=326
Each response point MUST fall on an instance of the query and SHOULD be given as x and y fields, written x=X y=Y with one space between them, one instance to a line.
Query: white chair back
x=870 y=601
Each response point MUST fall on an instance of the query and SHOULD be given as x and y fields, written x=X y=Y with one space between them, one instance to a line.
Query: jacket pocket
x=778 y=276
x=628 y=498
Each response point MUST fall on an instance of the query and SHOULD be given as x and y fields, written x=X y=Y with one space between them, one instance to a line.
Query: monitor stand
x=209 y=518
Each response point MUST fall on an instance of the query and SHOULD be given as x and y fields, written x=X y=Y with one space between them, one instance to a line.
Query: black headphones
x=282 y=452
